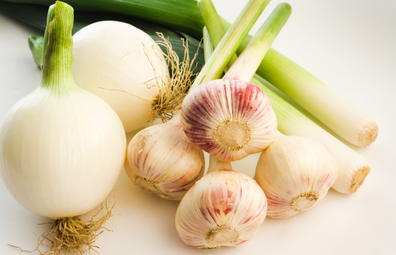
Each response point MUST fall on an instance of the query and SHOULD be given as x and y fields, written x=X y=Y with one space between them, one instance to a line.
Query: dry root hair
x=171 y=95
x=73 y=236
x=171 y=92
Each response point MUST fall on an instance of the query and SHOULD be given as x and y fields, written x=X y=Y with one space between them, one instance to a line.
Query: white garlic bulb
x=229 y=119
x=163 y=161
x=295 y=174
x=224 y=208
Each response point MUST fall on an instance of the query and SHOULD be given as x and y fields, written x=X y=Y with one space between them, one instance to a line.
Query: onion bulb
x=61 y=148
x=122 y=65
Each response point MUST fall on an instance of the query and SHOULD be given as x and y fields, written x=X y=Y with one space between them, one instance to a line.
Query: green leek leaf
x=35 y=15
x=182 y=15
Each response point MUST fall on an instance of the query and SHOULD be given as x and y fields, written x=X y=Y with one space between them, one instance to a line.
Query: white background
x=351 y=46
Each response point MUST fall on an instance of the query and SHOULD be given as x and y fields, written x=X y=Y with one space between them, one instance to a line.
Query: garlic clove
x=295 y=174
x=224 y=208
x=229 y=119
x=163 y=161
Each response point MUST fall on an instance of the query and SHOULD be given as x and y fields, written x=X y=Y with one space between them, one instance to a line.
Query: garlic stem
x=246 y=64
x=217 y=165
x=208 y=45
x=232 y=39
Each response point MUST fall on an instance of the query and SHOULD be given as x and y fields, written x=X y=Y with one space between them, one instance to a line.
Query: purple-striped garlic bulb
x=223 y=208
x=295 y=174
x=229 y=119
x=162 y=160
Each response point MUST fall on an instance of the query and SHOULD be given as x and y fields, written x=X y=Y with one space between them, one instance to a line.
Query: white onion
x=121 y=64
x=61 y=147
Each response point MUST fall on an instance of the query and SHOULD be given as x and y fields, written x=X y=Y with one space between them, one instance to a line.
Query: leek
x=182 y=15
x=353 y=168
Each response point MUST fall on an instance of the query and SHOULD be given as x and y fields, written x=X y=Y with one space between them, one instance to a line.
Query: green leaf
x=36 y=47
x=35 y=15
x=182 y=15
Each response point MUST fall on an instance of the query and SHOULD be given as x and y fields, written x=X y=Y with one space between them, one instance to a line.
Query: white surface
x=350 y=45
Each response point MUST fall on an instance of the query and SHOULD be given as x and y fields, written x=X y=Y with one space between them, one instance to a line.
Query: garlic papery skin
x=122 y=65
x=229 y=119
x=223 y=208
x=61 y=147
x=163 y=161
x=295 y=174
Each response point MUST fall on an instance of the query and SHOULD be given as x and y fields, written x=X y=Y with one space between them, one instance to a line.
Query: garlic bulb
x=122 y=65
x=295 y=174
x=163 y=161
x=223 y=208
x=232 y=118
x=61 y=147
x=229 y=119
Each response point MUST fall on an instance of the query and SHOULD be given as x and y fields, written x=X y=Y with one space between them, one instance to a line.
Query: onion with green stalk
x=353 y=168
x=62 y=148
